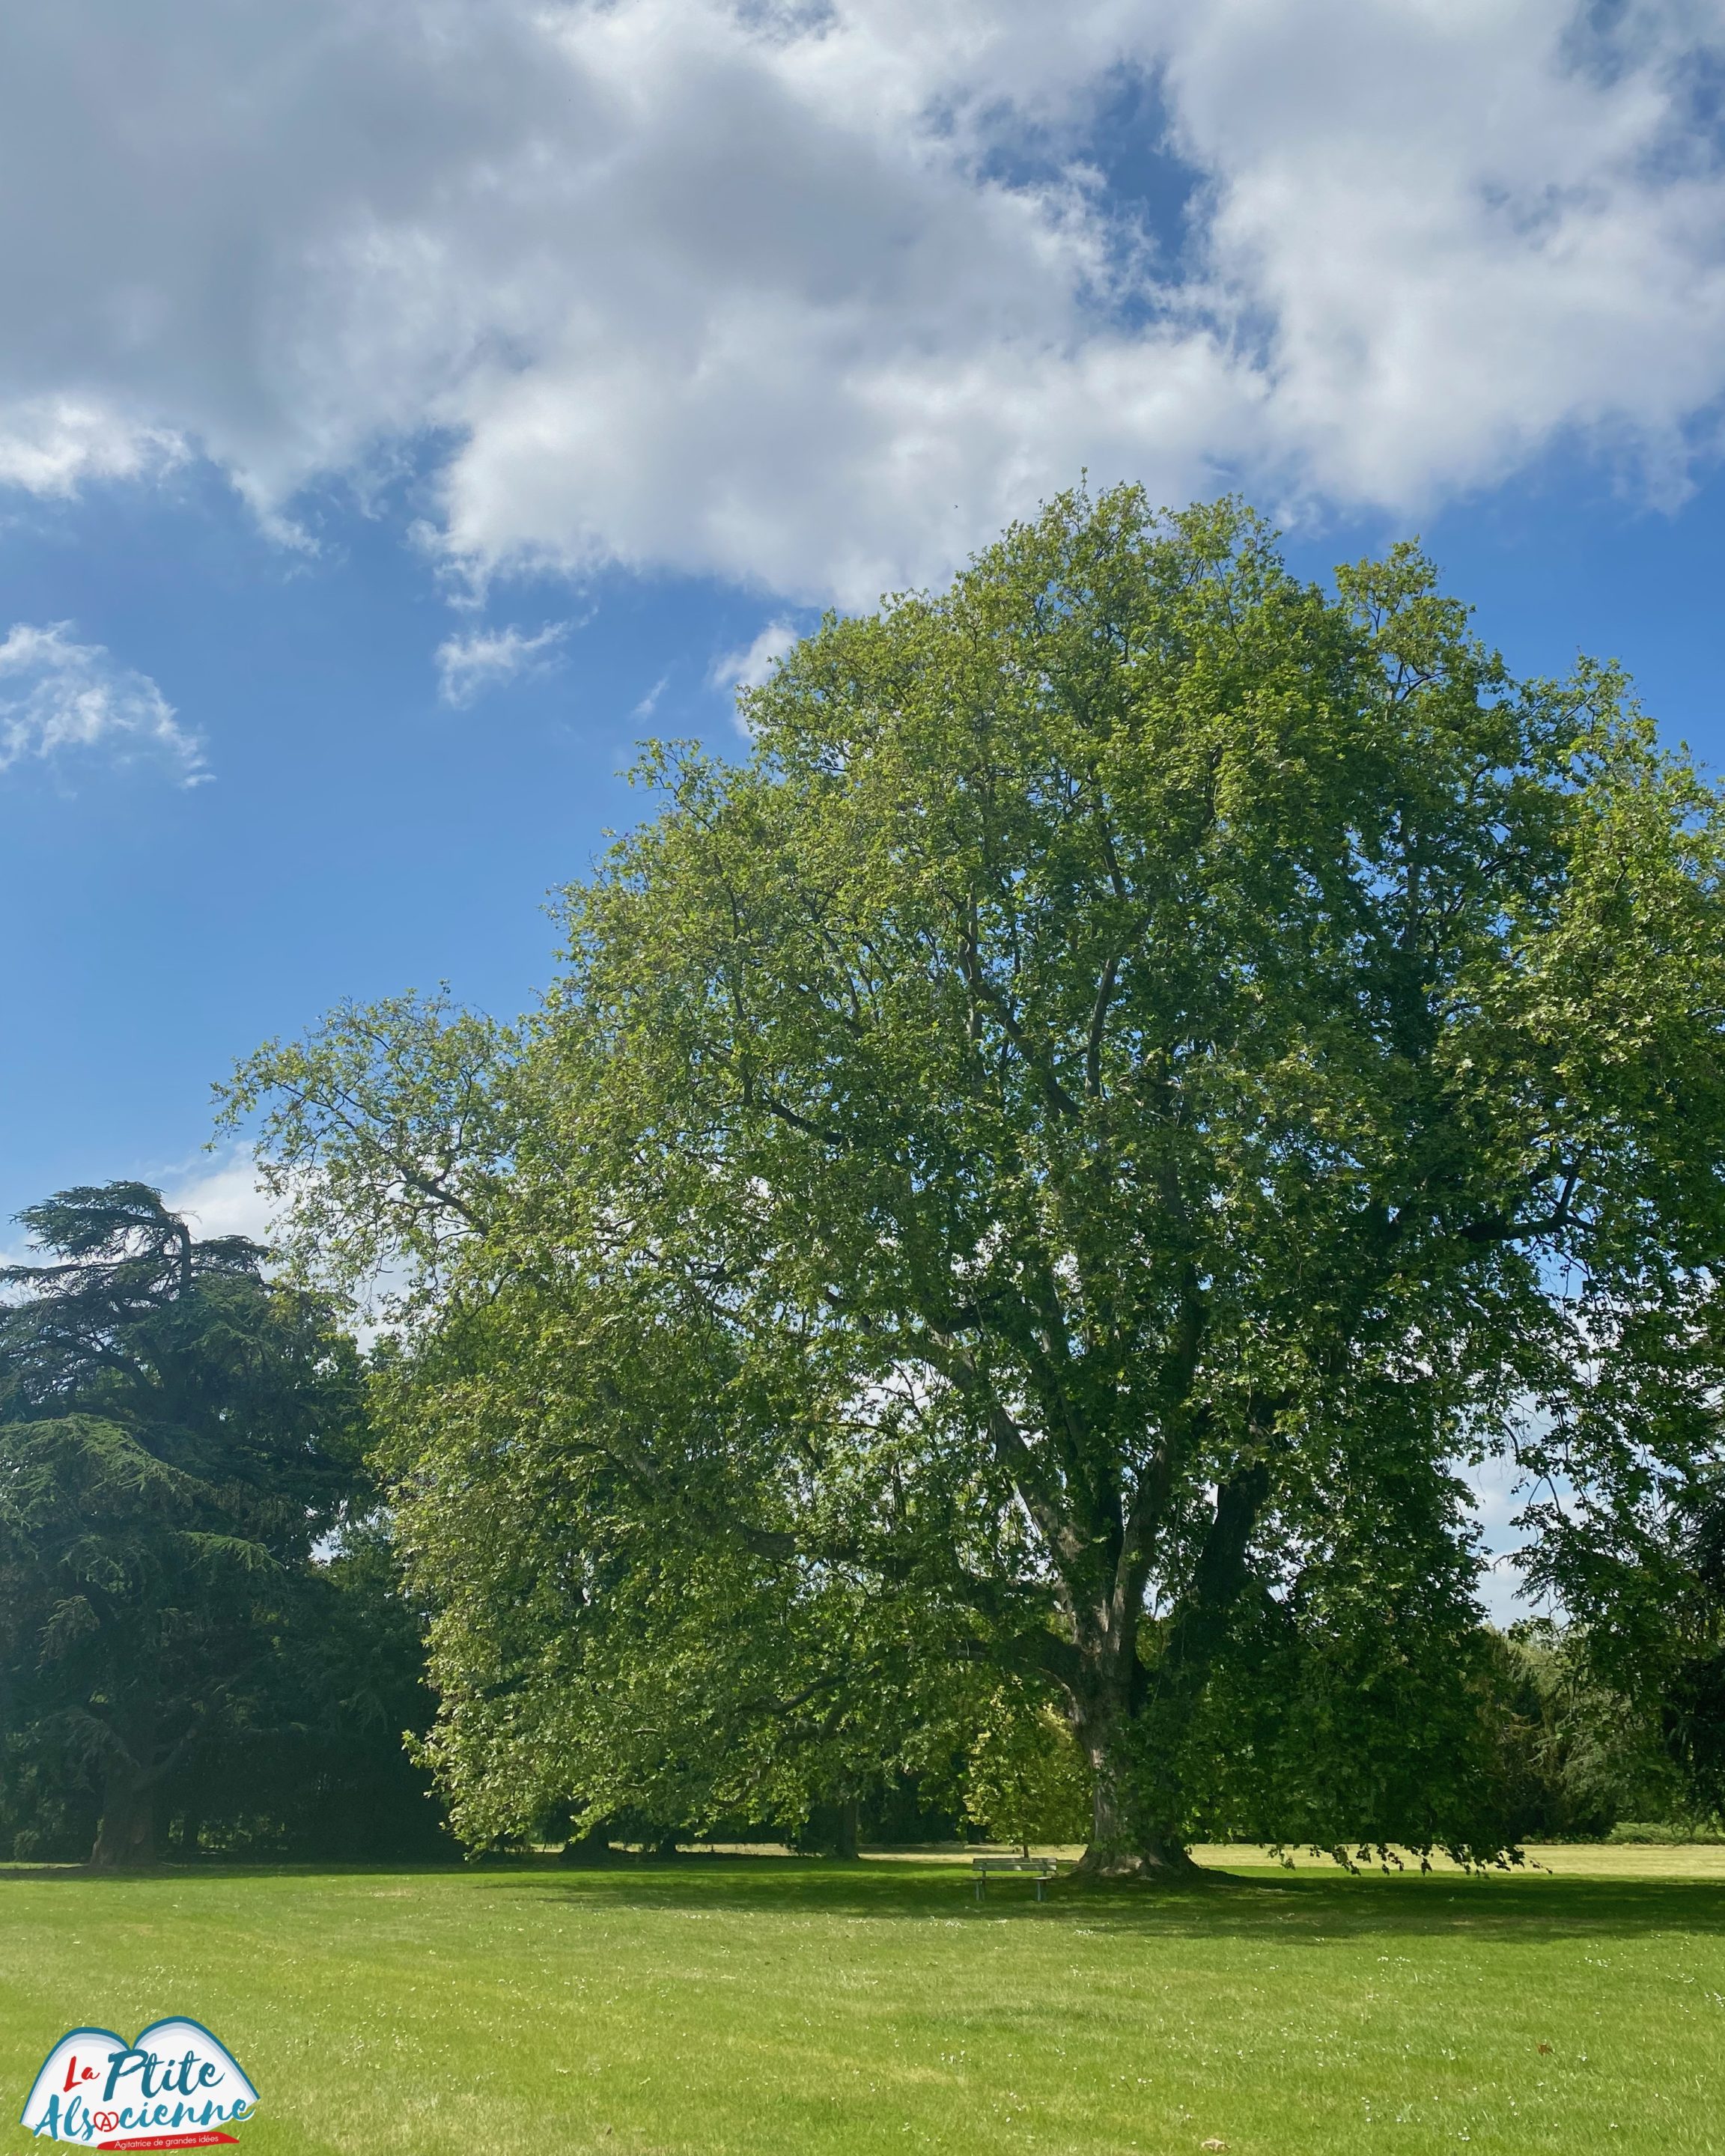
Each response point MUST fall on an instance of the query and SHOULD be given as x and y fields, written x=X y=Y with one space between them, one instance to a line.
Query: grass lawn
x=780 y=2005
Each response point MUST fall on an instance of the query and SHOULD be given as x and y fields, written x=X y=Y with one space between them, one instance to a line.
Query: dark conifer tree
x=180 y=1437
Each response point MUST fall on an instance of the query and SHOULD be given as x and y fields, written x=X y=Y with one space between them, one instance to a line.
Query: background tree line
x=981 y=1277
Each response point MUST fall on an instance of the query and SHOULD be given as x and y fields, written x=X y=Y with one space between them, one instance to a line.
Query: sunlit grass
x=779 y=2006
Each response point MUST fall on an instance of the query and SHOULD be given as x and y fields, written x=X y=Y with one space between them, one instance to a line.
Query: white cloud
x=59 y=699
x=50 y=445
x=468 y=665
x=649 y=703
x=748 y=668
x=225 y=1200
x=815 y=296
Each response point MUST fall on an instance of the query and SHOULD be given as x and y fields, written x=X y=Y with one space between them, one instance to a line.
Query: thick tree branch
x=1098 y=1024
x=1200 y=1624
x=1495 y=1228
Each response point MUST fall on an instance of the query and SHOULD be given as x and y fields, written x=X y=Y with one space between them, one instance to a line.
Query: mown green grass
x=779 y=2006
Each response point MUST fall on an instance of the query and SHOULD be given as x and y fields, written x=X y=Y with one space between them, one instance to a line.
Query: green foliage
x=1579 y=1754
x=1661 y=1833
x=319 y=1767
x=1028 y=1180
x=177 y=1436
x=1025 y=1779
x=390 y=1132
x=1360 y=1707
x=1636 y=1554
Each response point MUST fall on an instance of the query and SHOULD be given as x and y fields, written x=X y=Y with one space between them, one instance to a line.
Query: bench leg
x=981 y=1885
x=1039 y=1888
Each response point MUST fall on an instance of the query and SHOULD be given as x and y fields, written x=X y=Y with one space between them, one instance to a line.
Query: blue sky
x=406 y=405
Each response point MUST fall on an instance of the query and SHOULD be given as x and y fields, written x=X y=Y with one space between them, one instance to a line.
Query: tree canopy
x=1034 y=1179
x=177 y=1436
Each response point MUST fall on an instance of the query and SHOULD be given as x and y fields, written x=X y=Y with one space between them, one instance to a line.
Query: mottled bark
x=1126 y=1709
x=126 y=1837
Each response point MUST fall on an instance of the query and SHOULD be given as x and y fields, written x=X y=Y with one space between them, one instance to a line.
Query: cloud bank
x=815 y=296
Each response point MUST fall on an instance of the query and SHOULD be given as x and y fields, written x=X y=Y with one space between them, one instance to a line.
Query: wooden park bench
x=1042 y=1868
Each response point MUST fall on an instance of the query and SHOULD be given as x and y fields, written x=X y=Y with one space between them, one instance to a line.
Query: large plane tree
x=1042 y=1169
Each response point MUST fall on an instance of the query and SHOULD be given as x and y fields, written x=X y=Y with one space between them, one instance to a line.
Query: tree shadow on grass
x=1310 y=1906
x=1288 y=1907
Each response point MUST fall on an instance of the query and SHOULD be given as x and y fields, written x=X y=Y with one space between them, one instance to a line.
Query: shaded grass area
x=779 y=2006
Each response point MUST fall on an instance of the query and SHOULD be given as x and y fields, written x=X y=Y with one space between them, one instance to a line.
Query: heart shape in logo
x=174 y=2086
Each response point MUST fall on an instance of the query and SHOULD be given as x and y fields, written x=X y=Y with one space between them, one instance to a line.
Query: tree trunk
x=1132 y=1835
x=594 y=1847
x=126 y=1837
x=1123 y=1843
x=1136 y=1829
